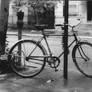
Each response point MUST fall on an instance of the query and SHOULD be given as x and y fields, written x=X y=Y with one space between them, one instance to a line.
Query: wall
x=83 y=11
x=13 y=11
x=74 y=12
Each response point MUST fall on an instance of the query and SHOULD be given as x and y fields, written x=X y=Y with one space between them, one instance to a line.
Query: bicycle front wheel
x=82 y=57
x=27 y=58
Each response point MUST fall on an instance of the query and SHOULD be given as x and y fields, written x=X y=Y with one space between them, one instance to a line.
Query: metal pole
x=20 y=16
x=65 y=40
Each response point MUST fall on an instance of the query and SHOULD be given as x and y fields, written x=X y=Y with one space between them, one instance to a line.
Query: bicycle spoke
x=83 y=58
x=31 y=60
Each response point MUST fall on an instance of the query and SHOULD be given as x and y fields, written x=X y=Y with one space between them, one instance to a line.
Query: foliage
x=32 y=3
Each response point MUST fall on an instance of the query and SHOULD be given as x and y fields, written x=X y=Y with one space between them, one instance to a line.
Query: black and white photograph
x=45 y=45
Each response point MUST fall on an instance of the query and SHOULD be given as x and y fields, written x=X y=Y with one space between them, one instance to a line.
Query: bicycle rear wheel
x=82 y=57
x=27 y=58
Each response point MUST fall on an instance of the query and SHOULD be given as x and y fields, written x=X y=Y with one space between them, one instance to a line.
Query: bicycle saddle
x=41 y=27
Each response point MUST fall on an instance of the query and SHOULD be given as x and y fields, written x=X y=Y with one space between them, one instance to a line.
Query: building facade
x=77 y=10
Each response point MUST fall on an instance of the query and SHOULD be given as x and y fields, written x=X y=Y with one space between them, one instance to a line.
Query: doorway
x=89 y=10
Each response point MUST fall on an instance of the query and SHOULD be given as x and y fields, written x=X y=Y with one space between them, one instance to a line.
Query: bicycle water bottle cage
x=41 y=27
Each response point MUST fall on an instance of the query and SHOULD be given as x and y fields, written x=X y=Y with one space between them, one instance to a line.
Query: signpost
x=20 y=16
x=65 y=39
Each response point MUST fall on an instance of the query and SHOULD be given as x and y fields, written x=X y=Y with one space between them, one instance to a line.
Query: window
x=73 y=10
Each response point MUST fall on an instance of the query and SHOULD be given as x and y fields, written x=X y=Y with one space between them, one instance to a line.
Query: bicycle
x=34 y=57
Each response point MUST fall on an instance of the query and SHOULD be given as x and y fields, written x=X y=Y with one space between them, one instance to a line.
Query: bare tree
x=3 y=24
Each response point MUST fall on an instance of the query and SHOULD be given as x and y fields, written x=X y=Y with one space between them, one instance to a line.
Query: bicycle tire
x=27 y=67
x=82 y=58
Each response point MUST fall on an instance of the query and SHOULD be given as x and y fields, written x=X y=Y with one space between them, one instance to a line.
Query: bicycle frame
x=44 y=37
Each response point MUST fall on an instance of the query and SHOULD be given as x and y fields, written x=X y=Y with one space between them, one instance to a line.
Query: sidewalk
x=47 y=81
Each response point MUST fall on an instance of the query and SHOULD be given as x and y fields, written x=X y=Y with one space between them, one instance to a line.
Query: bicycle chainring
x=54 y=62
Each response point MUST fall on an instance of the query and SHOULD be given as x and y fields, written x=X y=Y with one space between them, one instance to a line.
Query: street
x=48 y=80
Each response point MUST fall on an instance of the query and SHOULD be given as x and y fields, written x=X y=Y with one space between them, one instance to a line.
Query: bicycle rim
x=21 y=61
x=82 y=58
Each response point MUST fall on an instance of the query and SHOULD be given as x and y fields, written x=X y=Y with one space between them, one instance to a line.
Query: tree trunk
x=4 y=7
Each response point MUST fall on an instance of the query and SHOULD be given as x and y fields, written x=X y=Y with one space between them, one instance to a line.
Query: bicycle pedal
x=56 y=70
